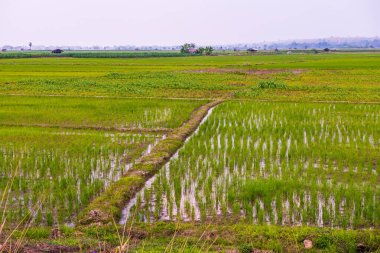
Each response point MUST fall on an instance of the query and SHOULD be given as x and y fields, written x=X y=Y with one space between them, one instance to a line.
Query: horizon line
x=201 y=44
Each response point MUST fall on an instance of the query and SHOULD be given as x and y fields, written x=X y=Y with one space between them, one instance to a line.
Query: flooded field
x=59 y=153
x=275 y=163
x=56 y=172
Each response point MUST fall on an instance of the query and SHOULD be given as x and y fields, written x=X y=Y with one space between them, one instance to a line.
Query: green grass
x=182 y=237
x=220 y=238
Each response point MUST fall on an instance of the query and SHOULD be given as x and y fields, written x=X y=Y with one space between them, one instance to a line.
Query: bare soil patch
x=43 y=248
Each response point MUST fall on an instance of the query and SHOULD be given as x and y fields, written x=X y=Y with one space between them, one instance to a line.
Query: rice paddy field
x=103 y=113
x=316 y=77
x=276 y=163
x=226 y=153
x=61 y=152
x=56 y=172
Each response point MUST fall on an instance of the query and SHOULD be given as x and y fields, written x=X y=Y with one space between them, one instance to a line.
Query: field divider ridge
x=162 y=130
x=108 y=205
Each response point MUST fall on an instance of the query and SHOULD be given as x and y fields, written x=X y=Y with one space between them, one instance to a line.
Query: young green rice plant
x=284 y=163
x=67 y=167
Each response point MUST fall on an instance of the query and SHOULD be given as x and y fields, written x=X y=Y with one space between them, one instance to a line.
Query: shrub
x=271 y=85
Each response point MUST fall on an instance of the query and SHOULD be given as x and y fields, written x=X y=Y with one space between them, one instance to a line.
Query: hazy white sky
x=170 y=22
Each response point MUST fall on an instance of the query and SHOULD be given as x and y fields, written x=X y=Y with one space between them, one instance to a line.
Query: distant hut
x=251 y=50
x=57 y=51
x=327 y=49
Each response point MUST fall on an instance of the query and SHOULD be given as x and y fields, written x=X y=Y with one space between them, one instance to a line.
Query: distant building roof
x=57 y=51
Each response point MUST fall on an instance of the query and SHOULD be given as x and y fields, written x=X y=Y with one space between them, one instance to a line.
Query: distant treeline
x=149 y=54
x=90 y=54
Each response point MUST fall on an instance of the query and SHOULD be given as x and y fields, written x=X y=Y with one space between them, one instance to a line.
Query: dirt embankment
x=107 y=207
